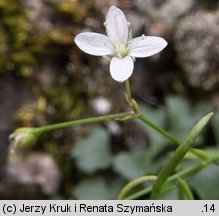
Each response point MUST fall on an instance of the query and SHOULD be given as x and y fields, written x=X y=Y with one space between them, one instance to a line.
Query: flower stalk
x=24 y=137
x=132 y=103
x=118 y=117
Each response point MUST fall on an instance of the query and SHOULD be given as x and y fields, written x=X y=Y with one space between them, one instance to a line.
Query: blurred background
x=45 y=79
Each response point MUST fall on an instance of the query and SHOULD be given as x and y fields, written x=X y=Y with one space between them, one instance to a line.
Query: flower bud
x=23 y=137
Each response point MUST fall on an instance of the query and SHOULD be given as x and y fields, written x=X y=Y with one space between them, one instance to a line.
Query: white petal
x=116 y=25
x=94 y=43
x=145 y=46
x=121 y=68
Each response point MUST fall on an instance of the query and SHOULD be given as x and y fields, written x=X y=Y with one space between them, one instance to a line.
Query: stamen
x=120 y=50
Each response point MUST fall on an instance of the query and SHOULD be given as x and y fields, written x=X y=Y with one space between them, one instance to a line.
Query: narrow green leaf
x=188 y=173
x=215 y=126
x=178 y=155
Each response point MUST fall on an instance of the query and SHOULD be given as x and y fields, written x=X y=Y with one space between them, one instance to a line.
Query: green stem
x=199 y=153
x=178 y=155
x=131 y=185
x=158 y=129
x=188 y=173
x=128 y=90
x=184 y=188
x=120 y=117
x=144 y=119
x=133 y=104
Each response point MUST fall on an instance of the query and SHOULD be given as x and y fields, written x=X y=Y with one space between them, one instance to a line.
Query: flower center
x=120 y=50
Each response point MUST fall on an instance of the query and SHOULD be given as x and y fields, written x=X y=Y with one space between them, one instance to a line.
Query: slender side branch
x=28 y=136
x=158 y=129
x=185 y=189
x=185 y=174
x=133 y=184
x=199 y=153
x=119 y=117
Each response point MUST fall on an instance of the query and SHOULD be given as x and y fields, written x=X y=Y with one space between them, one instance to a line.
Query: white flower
x=118 y=46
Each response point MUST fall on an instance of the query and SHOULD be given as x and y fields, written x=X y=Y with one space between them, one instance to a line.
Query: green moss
x=72 y=10
x=18 y=46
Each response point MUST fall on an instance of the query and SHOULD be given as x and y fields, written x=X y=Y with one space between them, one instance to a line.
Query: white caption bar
x=109 y=207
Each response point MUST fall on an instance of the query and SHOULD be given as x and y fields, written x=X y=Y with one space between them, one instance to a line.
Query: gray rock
x=168 y=11
x=32 y=177
x=197 y=45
